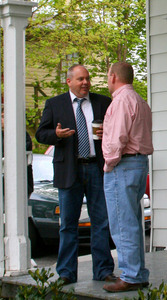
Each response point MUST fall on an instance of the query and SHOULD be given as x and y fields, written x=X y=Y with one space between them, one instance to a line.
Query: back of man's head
x=124 y=71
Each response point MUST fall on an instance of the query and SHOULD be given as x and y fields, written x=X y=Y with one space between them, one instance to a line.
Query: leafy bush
x=152 y=293
x=43 y=288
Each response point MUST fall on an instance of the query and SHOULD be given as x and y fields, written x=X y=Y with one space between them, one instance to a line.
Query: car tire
x=35 y=239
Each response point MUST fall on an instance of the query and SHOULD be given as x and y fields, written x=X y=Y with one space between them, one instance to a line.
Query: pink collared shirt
x=127 y=127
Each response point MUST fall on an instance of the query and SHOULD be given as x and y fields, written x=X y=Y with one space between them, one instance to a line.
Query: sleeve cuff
x=108 y=169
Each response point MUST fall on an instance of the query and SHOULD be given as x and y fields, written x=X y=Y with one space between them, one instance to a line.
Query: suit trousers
x=89 y=182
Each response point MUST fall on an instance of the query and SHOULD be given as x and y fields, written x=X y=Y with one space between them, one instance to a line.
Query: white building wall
x=157 y=91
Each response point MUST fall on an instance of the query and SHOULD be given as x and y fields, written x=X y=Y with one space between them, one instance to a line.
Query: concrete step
x=86 y=288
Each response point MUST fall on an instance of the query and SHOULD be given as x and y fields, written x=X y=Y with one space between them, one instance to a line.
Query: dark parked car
x=44 y=217
x=147 y=209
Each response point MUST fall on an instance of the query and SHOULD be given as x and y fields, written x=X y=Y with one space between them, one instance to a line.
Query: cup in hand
x=96 y=125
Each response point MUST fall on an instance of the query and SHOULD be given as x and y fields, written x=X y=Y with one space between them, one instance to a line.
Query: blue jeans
x=124 y=187
x=89 y=182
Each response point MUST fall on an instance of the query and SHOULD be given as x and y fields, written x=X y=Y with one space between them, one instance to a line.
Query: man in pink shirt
x=127 y=142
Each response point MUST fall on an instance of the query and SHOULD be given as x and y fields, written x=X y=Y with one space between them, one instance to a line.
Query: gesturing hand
x=63 y=133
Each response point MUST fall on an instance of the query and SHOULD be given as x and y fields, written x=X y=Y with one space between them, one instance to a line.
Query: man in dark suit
x=76 y=175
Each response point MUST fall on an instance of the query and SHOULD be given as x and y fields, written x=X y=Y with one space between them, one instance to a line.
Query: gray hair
x=71 y=70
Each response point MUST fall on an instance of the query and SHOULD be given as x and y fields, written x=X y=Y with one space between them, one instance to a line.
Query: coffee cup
x=96 y=125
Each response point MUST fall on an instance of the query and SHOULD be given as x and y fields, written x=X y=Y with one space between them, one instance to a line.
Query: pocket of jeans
x=133 y=176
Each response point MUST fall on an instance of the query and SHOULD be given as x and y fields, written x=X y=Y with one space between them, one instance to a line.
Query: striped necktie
x=83 y=137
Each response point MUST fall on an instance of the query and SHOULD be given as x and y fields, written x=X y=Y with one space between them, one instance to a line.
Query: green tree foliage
x=99 y=31
x=95 y=33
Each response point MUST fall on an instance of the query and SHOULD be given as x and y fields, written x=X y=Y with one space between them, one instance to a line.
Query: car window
x=42 y=168
x=50 y=151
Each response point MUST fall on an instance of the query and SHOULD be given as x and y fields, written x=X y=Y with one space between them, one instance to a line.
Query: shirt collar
x=125 y=86
x=74 y=97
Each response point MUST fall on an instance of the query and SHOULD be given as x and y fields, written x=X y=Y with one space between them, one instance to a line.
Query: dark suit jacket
x=59 y=110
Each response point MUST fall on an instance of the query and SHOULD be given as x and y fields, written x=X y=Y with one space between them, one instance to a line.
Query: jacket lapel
x=95 y=106
x=68 y=111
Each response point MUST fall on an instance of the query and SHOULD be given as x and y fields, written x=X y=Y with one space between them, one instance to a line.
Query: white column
x=143 y=222
x=14 y=16
x=1 y=194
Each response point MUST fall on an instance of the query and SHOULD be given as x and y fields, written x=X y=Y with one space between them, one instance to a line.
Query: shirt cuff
x=107 y=168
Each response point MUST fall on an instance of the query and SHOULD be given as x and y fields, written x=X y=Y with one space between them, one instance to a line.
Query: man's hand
x=63 y=133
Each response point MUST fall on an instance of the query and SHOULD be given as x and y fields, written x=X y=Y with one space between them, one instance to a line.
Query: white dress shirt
x=88 y=113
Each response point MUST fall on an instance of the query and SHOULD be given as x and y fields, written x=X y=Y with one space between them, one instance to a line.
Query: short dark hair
x=124 y=72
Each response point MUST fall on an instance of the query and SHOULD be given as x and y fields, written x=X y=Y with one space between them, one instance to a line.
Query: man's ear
x=68 y=81
x=113 y=78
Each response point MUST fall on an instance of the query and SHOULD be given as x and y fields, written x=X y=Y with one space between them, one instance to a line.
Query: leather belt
x=88 y=160
x=129 y=155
